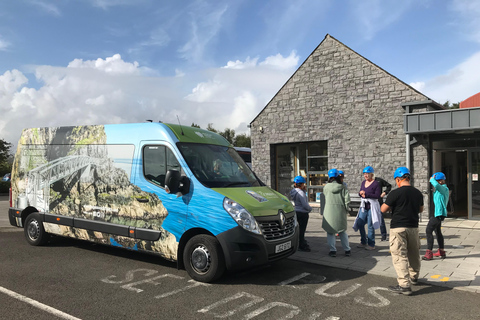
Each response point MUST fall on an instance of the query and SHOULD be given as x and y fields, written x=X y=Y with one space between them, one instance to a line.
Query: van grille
x=272 y=230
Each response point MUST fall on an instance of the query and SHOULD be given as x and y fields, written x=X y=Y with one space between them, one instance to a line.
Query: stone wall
x=339 y=96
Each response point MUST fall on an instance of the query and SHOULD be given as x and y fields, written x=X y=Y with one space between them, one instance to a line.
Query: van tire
x=203 y=258
x=34 y=231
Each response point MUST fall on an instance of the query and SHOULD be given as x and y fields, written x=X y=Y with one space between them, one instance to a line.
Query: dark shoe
x=414 y=281
x=347 y=253
x=400 y=290
x=384 y=238
x=428 y=255
x=332 y=254
x=305 y=248
x=440 y=253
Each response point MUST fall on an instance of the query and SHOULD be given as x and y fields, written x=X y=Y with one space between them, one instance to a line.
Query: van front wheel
x=34 y=231
x=203 y=257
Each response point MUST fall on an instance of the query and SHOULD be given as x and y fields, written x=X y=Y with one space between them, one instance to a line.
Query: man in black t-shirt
x=406 y=203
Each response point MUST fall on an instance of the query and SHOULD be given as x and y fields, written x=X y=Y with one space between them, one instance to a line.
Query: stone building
x=339 y=110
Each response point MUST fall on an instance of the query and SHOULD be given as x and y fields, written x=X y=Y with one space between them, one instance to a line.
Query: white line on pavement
x=38 y=305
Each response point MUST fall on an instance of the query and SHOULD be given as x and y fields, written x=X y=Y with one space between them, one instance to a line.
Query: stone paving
x=460 y=270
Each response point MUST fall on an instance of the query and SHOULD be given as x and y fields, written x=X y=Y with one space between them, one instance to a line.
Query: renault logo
x=282 y=218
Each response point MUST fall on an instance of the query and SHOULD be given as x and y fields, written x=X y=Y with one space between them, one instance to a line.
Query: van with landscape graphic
x=181 y=192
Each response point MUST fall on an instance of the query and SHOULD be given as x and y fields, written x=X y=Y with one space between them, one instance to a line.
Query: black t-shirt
x=405 y=203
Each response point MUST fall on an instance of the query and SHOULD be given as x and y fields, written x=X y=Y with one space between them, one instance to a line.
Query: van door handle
x=142 y=200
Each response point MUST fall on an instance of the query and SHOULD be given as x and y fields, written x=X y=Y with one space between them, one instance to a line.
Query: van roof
x=197 y=135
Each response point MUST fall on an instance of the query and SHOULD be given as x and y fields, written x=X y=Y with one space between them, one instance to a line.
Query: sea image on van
x=72 y=172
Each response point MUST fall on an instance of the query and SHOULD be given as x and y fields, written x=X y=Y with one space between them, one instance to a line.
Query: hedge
x=4 y=186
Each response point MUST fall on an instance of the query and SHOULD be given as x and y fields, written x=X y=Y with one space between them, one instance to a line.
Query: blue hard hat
x=368 y=169
x=299 y=179
x=439 y=176
x=400 y=172
x=332 y=173
x=340 y=173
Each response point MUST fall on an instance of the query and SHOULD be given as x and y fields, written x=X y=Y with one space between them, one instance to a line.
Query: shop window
x=308 y=159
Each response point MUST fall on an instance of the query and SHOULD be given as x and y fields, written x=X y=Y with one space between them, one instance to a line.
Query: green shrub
x=4 y=186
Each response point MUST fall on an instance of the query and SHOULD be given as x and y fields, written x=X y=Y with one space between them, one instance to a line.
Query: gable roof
x=328 y=36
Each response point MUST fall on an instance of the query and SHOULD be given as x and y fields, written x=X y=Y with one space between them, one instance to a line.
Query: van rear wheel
x=34 y=231
x=204 y=259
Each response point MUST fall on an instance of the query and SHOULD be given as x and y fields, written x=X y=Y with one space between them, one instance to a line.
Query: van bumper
x=15 y=217
x=243 y=249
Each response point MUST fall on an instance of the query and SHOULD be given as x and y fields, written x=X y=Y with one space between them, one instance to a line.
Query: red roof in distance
x=473 y=101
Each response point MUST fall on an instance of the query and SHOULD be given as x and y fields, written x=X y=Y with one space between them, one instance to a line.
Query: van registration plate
x=283 y=246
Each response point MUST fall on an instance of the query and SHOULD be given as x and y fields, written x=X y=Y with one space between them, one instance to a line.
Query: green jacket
x=335 y=207
x=440 y=198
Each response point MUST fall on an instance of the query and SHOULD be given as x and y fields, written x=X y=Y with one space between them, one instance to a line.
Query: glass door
x=474 y=179
x=286 y=168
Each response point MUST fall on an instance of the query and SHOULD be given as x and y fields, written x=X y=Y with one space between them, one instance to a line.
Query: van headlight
x=241 y=216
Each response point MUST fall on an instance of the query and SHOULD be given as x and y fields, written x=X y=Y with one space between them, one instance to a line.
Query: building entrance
x=475 y=183
x=454 y=164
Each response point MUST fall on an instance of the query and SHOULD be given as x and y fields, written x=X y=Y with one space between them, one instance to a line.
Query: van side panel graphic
x=73 y=172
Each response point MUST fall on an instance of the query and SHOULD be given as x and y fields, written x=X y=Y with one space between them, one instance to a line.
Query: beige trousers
x=405 y=250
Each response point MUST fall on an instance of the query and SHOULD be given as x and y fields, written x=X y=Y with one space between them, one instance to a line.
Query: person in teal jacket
x=440 y=200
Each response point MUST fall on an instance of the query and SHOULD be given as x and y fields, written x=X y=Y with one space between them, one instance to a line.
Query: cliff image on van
x=72 y=171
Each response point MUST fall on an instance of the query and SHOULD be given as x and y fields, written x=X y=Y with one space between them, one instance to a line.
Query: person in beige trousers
x=406 y=202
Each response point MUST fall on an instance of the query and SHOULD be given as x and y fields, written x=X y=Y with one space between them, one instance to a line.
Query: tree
x=211 y=128
x=195 y=125
x=243 y=140
x=228 y=134
x=449 y=105
x=5 y=157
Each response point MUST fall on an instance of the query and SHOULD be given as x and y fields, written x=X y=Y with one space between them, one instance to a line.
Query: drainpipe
x=407 y=148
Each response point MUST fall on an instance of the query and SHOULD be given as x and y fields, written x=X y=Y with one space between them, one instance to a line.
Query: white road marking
x=327 y=286
x=255 y=300
x=129 y=276
x=294 y=312
x=293 y=279
x=38 y=305
x=195 y=284
x=131 y=285
x=373 y=291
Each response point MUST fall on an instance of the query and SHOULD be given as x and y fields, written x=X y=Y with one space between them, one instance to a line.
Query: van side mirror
x=175 y=183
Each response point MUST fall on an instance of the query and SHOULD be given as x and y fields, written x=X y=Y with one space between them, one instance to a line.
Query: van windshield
x=218 y=166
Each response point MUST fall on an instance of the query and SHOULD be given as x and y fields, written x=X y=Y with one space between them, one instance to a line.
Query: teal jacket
x=440 y=198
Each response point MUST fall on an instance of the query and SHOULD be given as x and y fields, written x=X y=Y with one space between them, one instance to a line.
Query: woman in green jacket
x=335 y=210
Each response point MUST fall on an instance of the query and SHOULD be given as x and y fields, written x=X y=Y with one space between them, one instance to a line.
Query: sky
x=219 y=62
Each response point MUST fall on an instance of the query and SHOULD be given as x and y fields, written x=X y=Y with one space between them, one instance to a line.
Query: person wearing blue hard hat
x=341 y=174
x=406 y=203
x=302 y=209
x=332 y=173
x=369 y=212
x=440 y=201
x=335 y=210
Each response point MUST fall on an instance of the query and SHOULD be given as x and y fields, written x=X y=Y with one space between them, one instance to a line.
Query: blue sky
x=72 y=62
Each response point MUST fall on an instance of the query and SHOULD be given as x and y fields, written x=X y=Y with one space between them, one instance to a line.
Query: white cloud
x=240 y=64
x=4 y=44
x=112 y=90
x=47 y=7
x=113 y=64
x=205 y=23
x=375 y=15
x=418 y=85
x=456 y=85
x=469 y=17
